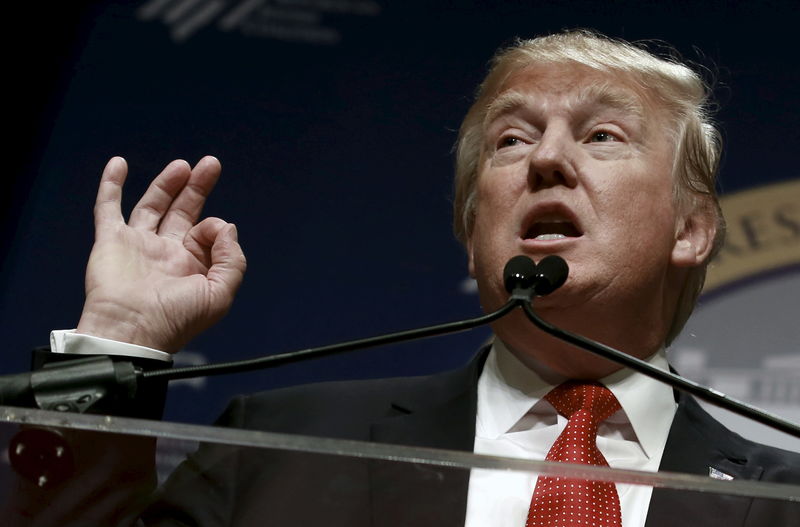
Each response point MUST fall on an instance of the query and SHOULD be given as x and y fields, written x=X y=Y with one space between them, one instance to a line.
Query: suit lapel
x=697 y=444
x=438 y=413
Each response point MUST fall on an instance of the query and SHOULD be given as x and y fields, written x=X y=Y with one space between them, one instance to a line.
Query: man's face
x=575 y=163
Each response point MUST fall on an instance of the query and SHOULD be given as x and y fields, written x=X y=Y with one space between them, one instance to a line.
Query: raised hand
x=162 y=278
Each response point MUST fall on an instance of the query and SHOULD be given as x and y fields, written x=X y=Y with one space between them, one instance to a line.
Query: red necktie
x=565 y=502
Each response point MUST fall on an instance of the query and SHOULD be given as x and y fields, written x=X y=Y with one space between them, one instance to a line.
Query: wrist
x=121 y=328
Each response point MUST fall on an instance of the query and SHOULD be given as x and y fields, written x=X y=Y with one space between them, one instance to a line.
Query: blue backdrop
x=334 y=121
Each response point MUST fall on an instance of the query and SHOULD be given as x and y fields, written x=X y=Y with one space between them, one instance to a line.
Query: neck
x=551 y=357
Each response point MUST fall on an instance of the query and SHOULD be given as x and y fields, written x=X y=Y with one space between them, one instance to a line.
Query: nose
x=552 y=161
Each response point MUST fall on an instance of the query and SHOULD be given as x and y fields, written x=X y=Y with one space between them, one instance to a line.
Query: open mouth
x=552 y=226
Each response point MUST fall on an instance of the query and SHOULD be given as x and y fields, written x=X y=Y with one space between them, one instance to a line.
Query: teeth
x=550 y=237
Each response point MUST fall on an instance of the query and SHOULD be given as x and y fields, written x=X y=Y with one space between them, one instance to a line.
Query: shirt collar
x=508 y=390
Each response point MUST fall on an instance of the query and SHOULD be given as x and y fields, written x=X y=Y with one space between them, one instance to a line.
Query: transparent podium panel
x=62 y=469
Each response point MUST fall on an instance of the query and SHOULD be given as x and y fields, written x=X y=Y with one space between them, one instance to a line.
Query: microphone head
x=520 y=271
x=551 y=273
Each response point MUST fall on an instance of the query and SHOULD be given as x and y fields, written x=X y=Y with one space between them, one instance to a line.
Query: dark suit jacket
x=220 y=486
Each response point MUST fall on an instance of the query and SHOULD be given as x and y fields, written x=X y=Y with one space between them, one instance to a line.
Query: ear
x=694 y=236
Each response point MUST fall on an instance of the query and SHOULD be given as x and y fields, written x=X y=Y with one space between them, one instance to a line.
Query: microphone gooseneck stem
x=312 y=353
x=522 y=279
x=676 y=381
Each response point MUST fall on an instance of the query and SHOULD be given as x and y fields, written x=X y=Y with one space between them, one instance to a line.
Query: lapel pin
x=718 y=474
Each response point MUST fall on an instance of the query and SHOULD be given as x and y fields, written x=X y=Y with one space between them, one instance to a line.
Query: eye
x=602 y=137
x=508 y=141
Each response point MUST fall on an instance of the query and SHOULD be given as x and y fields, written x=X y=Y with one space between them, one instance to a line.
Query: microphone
x=522 y=273
x=522 y=278
x=519 y=273
x=551 y=273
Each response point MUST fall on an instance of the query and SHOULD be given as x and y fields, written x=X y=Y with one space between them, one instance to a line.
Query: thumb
x=228 y=265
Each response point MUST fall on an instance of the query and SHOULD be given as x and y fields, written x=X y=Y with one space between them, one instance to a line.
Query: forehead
x=570 y=87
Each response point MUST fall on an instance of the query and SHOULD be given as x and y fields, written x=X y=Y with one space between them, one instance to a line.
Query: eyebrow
x=605 y=94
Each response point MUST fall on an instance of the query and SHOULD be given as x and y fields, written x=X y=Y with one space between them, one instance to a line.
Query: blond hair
x=664 y=81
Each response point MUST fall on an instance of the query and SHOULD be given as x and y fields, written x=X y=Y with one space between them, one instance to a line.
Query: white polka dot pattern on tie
x=561 y=502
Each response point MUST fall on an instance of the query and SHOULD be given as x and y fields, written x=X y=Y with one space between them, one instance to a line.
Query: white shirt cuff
x=67 y=341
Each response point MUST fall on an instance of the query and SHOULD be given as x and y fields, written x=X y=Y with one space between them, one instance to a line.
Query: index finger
x=107 y=205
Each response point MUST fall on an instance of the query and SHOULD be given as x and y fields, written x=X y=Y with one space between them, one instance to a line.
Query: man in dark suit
x=435 y=411
x=576 y=145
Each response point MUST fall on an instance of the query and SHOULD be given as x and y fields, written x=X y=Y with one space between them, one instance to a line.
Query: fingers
x=215 y=243
x=174 y=200
x=160 y=195
x=186 y=208
x=227 y=269
x=201 y=238
x=107 y=209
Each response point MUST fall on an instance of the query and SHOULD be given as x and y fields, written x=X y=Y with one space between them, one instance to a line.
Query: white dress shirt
x=514 y=420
